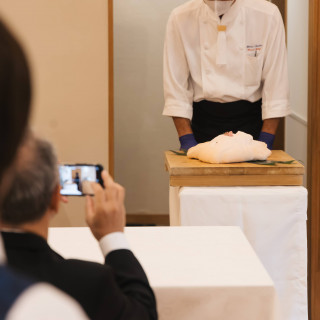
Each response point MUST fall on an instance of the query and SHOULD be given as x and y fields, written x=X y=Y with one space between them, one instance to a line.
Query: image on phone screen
x=75 y=180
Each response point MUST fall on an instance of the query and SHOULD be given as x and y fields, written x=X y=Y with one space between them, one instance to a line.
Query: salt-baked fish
x=238 y=147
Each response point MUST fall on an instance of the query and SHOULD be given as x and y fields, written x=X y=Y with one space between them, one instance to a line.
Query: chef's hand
x=105 y=212
x=187 y=141
x=267 y=138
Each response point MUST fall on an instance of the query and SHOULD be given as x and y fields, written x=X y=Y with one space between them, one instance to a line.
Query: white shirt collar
x=3 y=258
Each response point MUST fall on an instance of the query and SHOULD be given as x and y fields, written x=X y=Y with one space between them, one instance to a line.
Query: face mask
x=220 y=7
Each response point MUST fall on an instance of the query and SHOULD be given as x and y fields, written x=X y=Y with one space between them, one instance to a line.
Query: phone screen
x=75 y=180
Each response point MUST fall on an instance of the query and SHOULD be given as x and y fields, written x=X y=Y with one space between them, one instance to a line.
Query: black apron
x=211 y=119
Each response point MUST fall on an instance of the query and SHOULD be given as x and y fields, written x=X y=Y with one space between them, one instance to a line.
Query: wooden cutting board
x=191 y=172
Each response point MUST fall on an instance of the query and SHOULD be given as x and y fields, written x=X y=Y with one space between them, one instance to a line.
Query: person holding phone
x=225 y=69
x=119 y=289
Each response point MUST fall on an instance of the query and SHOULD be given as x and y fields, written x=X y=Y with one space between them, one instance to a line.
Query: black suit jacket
x=119 y=289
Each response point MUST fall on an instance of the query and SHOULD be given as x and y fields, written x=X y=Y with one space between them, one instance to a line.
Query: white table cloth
x=274 y=221
x=197 y=273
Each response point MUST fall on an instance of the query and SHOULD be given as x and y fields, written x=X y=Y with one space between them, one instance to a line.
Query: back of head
x=15 y=96
x=34 y=183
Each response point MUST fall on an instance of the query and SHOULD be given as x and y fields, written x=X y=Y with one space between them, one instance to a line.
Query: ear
x=55 y=199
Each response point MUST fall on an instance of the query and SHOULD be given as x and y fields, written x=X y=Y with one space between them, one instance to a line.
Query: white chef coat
x=251 y=66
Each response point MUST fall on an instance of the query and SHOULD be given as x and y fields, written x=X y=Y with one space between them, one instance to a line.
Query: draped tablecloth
x=274 y=221
x=196 y=272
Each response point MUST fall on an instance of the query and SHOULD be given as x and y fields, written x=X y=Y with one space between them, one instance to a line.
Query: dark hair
x=15 y=96
x=33 y=185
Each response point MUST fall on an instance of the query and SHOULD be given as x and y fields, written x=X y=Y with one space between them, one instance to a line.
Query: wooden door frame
x=314 y=160
x=110 y=90
x=279 y=142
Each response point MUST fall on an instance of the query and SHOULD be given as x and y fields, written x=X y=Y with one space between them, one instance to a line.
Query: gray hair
x=33 y=185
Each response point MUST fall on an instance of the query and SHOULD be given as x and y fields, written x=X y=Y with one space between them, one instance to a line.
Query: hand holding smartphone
x=75 y=179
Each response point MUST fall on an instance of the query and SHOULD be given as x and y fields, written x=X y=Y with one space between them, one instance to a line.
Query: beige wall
x=67 y=44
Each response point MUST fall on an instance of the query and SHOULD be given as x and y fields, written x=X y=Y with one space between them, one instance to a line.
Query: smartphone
x=75 y=178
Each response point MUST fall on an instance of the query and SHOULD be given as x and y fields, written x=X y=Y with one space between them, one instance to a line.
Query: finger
x=107 y=179
x=111 y=190
x=97 y=188
x=89 y=208
x=120 y=193
x=111 y=193
x=99 y=194
x=64 y=199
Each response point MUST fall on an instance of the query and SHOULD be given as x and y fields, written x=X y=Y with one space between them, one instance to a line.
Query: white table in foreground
x=196 y=272
x=274 y=221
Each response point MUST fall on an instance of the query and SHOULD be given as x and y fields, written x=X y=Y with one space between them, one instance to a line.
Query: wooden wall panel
x=111 y=88
x=314 y=160
x=279 y=140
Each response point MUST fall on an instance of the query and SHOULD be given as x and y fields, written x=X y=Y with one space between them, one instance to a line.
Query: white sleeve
x=45 y=302
x=113 y=241
x=178 y=93
x=275 y=91
x=3 y=258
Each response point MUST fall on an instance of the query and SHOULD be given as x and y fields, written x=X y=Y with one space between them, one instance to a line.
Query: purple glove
x=268 y=138
x=187 y=141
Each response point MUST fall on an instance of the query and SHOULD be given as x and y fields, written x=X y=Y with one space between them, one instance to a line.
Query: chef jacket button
x=205 y=21
x=208 y=71
x=206 y=46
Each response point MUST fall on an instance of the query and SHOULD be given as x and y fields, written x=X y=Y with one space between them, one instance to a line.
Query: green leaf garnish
x=263 y=162
x=285 y=162
x=181 y=153
x=270 y=162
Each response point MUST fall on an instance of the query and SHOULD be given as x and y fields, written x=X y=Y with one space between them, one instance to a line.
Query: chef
x=225 y=69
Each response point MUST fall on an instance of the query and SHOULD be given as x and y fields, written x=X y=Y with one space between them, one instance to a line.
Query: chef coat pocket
x=253 y=70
